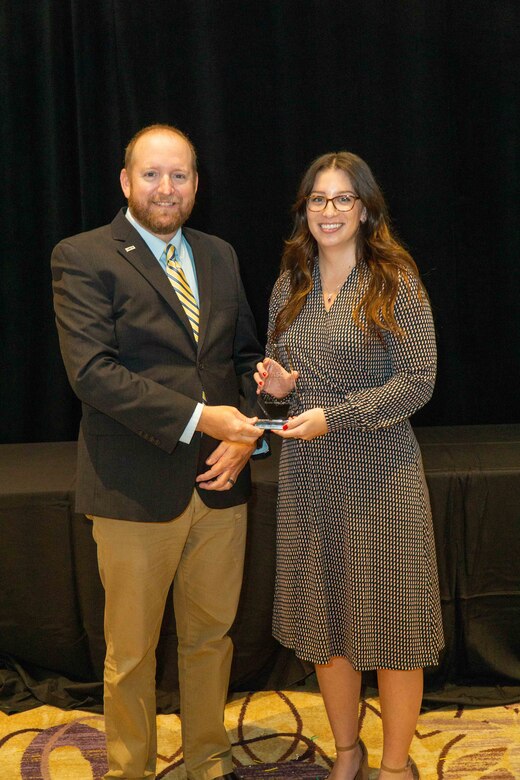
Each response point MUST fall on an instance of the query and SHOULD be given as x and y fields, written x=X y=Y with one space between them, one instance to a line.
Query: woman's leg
x=340 y=686
x=400 y=695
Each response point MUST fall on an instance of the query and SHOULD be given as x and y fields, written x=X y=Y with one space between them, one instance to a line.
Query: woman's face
x=333 y=228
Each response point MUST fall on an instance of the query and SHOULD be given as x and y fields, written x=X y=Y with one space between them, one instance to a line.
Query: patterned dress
x=356 y=567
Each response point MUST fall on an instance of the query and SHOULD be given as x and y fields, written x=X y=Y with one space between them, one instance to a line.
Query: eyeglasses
x=345 y=202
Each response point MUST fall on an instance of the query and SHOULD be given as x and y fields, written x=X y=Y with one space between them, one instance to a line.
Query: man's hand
x=228 y=424
x=226 y=463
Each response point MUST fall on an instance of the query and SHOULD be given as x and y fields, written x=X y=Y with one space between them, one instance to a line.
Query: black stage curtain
x=427 y=92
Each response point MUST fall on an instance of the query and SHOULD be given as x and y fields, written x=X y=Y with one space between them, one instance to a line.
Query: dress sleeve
x=413 y=362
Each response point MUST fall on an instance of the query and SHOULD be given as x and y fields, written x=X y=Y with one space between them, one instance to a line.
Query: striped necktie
x=182 y=288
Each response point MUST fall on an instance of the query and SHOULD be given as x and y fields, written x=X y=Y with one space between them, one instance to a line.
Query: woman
x=352 y=346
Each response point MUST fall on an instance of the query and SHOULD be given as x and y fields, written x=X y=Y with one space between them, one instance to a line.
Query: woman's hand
x=307 y=425
x=272 y=378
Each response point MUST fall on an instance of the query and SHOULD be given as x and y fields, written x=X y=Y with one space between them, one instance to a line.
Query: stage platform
x=51 y=599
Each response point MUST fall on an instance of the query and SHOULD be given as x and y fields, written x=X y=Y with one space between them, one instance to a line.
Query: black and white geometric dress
x=356 y=567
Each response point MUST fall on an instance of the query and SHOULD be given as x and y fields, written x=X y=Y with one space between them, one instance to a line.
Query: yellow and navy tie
x=182 y=288
x=184 y=293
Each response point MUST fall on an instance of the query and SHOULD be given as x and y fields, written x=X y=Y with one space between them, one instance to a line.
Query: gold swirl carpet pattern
x=275 y=734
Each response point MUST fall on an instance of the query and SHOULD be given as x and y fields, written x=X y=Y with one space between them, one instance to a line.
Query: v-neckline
x=322 y=295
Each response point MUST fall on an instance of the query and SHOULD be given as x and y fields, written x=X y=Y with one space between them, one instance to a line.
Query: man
x=156 y=335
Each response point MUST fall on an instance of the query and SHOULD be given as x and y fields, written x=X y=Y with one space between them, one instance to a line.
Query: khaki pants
x=202 y=551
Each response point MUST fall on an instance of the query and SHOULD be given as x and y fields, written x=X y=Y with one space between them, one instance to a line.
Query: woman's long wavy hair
x=380 y=257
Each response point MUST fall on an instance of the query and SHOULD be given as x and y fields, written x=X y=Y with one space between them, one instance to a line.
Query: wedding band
x=232 y=481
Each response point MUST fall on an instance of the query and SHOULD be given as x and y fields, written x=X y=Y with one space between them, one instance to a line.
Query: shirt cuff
x=261 y=449
x=189 y=430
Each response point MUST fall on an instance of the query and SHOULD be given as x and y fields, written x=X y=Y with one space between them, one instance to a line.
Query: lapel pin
x=129 y=248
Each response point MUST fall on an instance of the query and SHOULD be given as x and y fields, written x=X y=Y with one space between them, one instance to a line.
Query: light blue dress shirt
x=185 y=256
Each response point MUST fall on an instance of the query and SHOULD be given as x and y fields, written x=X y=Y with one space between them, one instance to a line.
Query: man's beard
x=156 y=223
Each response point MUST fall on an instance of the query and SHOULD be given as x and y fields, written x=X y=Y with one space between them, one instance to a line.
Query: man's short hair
x=157 y=128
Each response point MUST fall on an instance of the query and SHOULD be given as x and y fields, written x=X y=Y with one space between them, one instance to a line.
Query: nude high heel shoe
x=410 y=764
x=362 y=773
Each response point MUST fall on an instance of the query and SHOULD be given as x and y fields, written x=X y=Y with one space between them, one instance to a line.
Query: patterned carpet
x=275 y=734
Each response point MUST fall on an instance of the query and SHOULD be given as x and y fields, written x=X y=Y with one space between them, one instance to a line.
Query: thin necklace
x=334 y=292
x=330 y=295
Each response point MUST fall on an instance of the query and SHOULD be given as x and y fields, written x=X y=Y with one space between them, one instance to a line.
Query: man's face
x=160 y=183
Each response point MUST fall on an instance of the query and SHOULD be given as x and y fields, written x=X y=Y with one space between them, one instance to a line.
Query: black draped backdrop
x=427 y=92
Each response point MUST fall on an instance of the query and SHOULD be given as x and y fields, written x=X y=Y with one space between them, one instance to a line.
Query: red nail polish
x=285 y=427
x=260 y=382
x=265 y=373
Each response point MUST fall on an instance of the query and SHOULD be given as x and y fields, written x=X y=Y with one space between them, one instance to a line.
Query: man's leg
x=206 y=592
x=137 y=562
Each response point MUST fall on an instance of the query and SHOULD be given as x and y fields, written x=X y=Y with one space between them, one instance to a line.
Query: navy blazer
x=131 y=358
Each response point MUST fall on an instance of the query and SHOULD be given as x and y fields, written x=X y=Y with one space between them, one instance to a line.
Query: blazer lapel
x=203 y=267
x=132 y=247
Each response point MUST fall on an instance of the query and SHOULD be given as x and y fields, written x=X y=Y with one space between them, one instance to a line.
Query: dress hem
x=423 y=662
